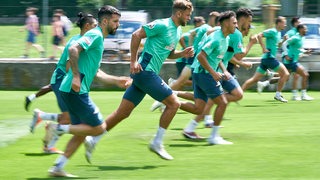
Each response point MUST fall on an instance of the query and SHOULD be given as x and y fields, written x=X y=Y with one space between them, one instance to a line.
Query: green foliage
x=93 y=5
x=272 y=140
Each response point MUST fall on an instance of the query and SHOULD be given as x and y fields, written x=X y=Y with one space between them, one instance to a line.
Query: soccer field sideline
x=13 y=129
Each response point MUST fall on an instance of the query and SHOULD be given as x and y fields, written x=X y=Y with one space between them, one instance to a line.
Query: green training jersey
x=89 y=60
x=162 y=38
x=64 y=58
x=186 y=41
x=199 y=32
x=293 y=31
x=273 y=38
x=215 y=46
x=235 y=47
x=294 y=48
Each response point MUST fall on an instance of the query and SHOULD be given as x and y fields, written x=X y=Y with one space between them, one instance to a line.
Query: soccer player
x=84 y=61
x=205 y=76
x=32 y=26
x=269 y=61
x=292 y=51
x=235 y=53
x=162 y=37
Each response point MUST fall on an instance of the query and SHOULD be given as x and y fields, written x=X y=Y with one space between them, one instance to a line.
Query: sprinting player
x=195 y=37
x=162 y=37
x=273 y=78
x=57 y=35
x=32 y=26
x=292 y=48
x=206 y=78
x=235 y=53
x=84 y=60
x=269 y=61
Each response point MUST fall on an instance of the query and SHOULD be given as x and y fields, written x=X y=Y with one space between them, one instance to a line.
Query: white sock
x=266 y=83
x=60 y=162
x=31 y=97
x=191 y=126
x=175 y=92
x=303 y=92
x=215 y=131
x=64 y=128
x=295 y=92
x=53 y=142
x=96 y=139
x=208 y=118
x=49 y=116
x=159 y=136
x=278 y=93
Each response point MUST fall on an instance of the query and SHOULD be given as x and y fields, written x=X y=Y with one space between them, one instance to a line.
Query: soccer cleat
x=260 y=86
x=89 y=145
x=192 y=135
x=218 y=141
x=281 y=99
x=305 y=97
x=270 y=74
x=35 y=120
x=52 y=150
x=296 y=98
x=55 y=172
x=155 y=106
x=159 y=150
x=54 y=130
x=27 y=103
x=208 y=123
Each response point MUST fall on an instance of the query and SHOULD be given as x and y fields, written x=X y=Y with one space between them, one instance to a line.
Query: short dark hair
x=181 y=5
x=280 y=19
x=301 y=26
x=226 y=15
x=294 y=20
x=107 y=11
x=243 y=12
x=198 y=19
x=84 y=18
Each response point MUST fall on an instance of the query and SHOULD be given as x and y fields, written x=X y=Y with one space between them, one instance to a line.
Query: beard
x=112 y=31
x=182 y=22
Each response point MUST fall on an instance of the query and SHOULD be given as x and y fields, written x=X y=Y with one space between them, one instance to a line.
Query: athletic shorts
x=180 y=66
x=56 y=40
x=81 y=108
x=55 y=87
x=31 y=37
x=230 y=84
x=147 y=82
x=268 y=63
x=292 y=67
x=204 y=86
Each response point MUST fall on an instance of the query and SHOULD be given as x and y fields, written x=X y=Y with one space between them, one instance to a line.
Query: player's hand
x=254 y=39
x=217 y=76
x=247 y=65
x=287 y=58
x=124 y=82
x=188 y=52
x=76 y=83
x=135 y=67
x=265 y=50
x=226 y=75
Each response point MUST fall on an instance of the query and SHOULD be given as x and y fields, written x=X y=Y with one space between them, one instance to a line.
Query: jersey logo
x=151 y=25
x=87 y=40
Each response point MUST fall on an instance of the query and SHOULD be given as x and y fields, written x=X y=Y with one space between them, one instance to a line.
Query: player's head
x=198 y=21
x=181 y=11
x=228 y=21
x=302 y=29
x=281 y=23
x=59 y=11
x=295 y=21
x=86 y=21
x=108 y=17
x=56 y=17
x=213 y=18
x=244 y=18
x=31 y=10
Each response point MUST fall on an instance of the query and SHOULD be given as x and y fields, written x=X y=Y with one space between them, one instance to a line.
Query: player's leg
x=42 y=91
x=251 y=81
x=304 y=85
x=284 y=76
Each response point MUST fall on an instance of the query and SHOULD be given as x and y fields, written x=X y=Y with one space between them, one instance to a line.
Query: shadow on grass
x=37 y=154
x=125 y=168
x=52 y=178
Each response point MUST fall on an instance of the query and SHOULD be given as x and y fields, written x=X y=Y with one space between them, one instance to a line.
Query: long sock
x=49 y=116
x=31 y=97
x=266 y=83
x=278 y=93
x=191 y=126
x=53 y=141
x=159 y=136
x=215 y=131
x=64 y=128
x=60 y=162
x=303 y=92
x=96 y=139
x=295 y=92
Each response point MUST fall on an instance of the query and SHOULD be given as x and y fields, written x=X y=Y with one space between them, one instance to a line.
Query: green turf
x=272 y=140
x=12 y=43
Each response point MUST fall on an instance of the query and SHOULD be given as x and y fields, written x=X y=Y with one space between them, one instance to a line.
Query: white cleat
x=55 y=172
x=260 y=87
x=89 y=145
x=155 y=106
x=159 y=150
x=36 y=119
x=296 y=98
x=218 y=141
x=281 y=99
x=307 y=98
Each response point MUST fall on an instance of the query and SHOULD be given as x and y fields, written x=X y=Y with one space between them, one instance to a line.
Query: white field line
x=13 y=129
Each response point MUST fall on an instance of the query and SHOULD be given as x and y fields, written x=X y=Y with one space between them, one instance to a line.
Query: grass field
x=12 y=43
x=272 y=140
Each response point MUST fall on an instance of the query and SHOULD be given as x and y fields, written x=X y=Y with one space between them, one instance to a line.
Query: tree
x=93 y=5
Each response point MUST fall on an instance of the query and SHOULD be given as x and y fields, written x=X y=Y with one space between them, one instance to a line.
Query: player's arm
x=136 y=38
x=191 y=37
x=187 y=52
x=182 y=42
x=202 y=58
x=120 y=81
x=285 y=49
x=74 y=52
x=224 y=70
x=260 y=40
